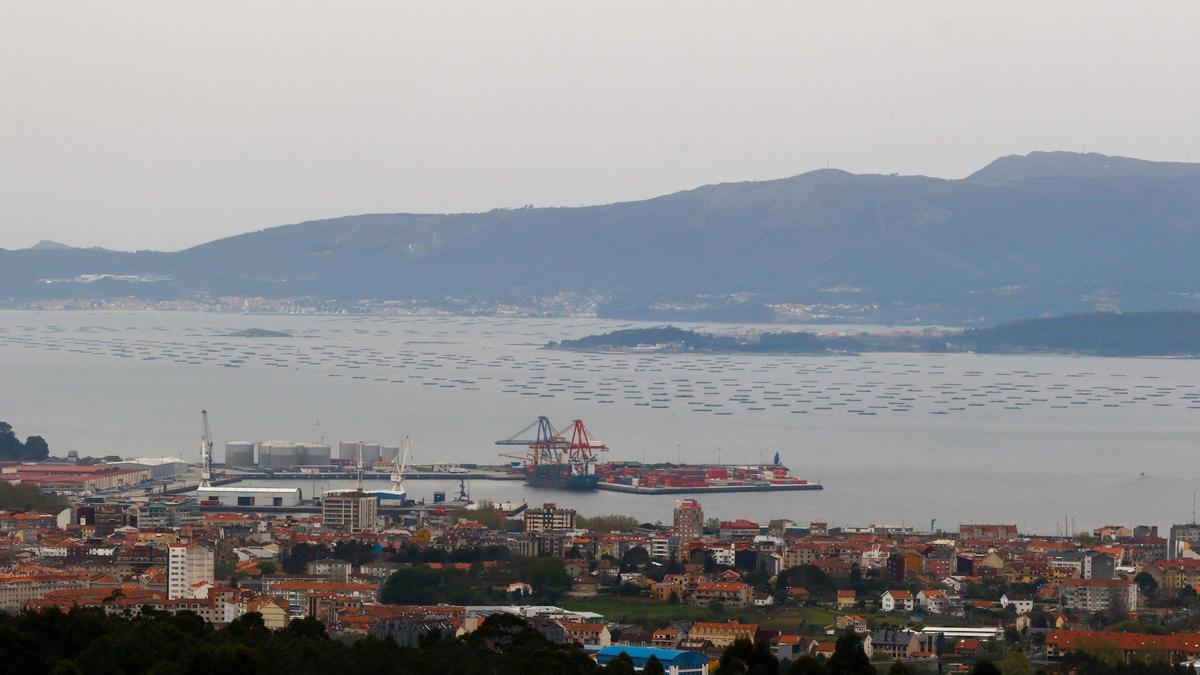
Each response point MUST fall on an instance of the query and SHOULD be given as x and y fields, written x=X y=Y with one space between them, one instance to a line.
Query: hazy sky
x=163 y=124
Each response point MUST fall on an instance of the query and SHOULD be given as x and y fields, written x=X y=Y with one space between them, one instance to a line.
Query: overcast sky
x=162 y=124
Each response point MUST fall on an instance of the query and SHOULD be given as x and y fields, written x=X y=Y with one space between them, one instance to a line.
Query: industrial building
x=248 y=496
x=74 y=478
x=161 y=468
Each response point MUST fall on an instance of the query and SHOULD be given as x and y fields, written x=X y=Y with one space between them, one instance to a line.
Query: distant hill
x=1136 y=334
x=47 y=245
x=672 y=338
x=1026 y=235
x=1102 y=334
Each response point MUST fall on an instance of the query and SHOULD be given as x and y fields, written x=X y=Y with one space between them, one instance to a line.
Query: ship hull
x=560 y=478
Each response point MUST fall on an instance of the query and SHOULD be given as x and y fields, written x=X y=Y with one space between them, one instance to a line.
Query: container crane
x=546 y=447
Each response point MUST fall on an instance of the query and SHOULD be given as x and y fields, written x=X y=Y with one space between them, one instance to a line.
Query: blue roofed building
x=674 y=661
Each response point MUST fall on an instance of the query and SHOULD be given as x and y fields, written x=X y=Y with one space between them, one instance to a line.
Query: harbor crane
x=551 y=446
x=546 y=446
x=206 y=445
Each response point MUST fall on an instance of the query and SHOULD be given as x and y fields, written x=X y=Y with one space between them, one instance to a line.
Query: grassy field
x=639 y=610
x=653 y=614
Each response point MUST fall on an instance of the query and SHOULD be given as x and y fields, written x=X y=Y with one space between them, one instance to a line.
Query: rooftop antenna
x=205 y=453
x=1193 y=508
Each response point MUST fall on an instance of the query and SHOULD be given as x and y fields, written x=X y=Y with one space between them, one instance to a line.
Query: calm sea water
x=897 y=439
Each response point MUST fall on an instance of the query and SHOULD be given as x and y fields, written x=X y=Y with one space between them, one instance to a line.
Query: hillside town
x=682 y=591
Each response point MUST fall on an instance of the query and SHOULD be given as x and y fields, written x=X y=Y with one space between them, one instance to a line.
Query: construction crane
x=205 y=452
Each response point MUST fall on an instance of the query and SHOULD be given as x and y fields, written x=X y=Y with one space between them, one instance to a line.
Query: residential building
x=1176 y=647
x=337 y=570
x=187 y=566
x=735 y=594
x=1183 y=539
x=739 y=529
x=933 y=600
x=897 y=601
x=586 y=633
x=1022 y=604
x=549 y=518
x=722 y=634
x=847 y=599
x=894 y=644
x=689 y=520
x=666 y=638
x=353 y=511
x=1097 y=595
x=994 y=533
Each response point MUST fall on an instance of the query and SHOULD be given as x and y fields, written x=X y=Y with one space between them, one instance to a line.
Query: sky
x=161 y=124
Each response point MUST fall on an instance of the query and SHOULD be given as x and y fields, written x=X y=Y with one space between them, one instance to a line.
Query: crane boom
x=205 y=452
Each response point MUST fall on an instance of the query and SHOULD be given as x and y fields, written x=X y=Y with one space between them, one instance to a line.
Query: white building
x=188 y=565
x=1023 y=604
x=1096 y=595
x=232 y=495
x=892 y=601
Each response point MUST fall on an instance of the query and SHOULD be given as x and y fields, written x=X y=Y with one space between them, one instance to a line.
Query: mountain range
x=1043 y=233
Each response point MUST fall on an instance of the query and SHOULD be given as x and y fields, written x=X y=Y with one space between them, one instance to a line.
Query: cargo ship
x=558 y=460
x=555 y=461
x=560 y=476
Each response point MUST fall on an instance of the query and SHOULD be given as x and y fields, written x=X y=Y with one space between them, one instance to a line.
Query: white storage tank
x=313 y=454
x=371 y=453
x=348 y=450
x=239 y=453
x=278 y=455
x=388 y=453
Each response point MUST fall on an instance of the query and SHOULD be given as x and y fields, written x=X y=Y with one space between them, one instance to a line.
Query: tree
x=985 y=667
x=608 y=523
x=653 y=666
x=750 y=658
x=634 y=558
x=36 y=448
x=1015 y=663
x=267 y=567
x=545 y=573
x=805 y=664
x=417 y=585
x=621 y=665
x=849 y=657
x=1146 y=584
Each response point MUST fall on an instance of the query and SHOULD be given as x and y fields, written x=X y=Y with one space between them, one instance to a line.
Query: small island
x=260 y=333
x=1163 y=334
